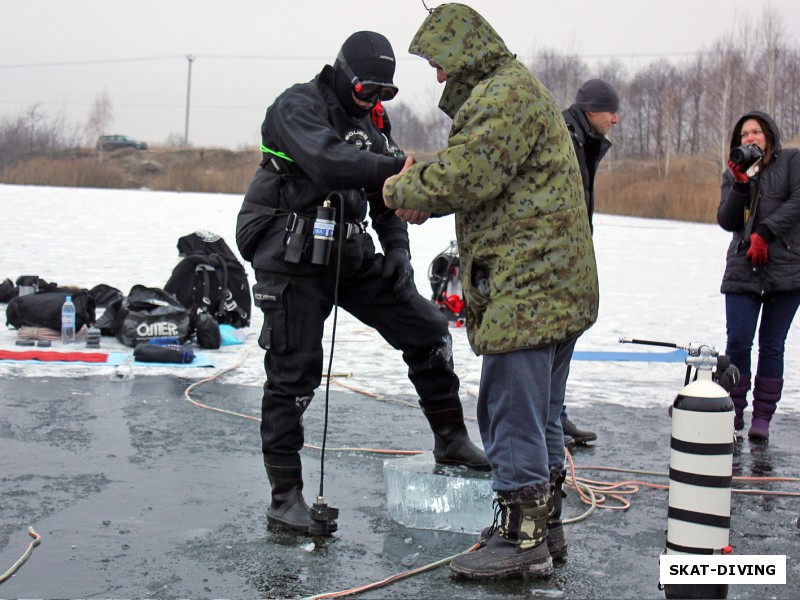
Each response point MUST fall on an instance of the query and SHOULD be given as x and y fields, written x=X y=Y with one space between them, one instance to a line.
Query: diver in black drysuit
x=330 y=139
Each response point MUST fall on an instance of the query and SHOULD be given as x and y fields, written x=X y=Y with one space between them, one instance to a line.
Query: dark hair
x=769 y=136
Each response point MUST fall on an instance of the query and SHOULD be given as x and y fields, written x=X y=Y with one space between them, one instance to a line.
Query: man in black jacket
x=329 y=141
x=589 y=119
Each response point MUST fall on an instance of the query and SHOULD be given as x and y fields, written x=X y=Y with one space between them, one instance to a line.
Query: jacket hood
x=766 y=120
x=463 y=43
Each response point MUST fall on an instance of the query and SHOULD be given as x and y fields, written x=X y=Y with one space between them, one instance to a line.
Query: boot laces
x=498 y=511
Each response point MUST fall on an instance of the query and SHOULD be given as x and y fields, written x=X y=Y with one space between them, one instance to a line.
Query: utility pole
x=190 y=58
x=773 y=58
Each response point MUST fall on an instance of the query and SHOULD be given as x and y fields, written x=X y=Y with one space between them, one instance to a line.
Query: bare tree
x=13 y=139
x=100 y=117
x=33 y=117
x=437 y=130
x=408 y=129
x=694 y=90
x=34 y=132
x=787 y=92
x=722 y=80
x=561 y=74
x=771 y=34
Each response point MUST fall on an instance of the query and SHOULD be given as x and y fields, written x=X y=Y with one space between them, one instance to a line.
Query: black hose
x=339 y=253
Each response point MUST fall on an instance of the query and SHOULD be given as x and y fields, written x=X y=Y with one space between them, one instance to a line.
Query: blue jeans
x=741 y=312
x=519 y=413
x=564 y=415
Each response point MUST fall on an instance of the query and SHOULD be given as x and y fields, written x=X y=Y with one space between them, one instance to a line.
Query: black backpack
x=105 y=295
x=43 y=309
x=8 y=290
x=210 y=279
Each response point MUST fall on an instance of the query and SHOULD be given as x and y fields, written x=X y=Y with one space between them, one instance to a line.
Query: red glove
x=758 y=250
x=736 y=171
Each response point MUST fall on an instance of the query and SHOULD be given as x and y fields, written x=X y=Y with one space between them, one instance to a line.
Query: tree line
x=666 y=109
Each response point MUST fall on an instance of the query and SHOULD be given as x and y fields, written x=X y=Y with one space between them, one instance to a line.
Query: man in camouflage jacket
x=510 y=175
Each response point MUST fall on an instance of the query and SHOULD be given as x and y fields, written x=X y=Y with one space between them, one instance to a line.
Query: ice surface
x=659 y=280
x=422 y=495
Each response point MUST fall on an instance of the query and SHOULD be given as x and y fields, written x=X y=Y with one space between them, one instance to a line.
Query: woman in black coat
x=760 y=205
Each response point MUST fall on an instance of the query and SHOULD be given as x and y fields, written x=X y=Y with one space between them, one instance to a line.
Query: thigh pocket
x=272 y=298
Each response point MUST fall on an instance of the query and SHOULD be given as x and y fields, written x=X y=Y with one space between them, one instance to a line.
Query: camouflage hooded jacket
x=510 y=175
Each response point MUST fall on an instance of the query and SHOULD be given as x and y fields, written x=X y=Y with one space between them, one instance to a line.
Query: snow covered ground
x=659 y=281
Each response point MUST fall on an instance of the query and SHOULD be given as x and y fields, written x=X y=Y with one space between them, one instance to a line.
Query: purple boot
x=739 y=397
x=766 y=394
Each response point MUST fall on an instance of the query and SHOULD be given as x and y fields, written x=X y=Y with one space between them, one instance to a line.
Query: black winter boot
x=452 y=445
x=556 y=542
x=288 y=509
x=518 y=547
x=580 y=436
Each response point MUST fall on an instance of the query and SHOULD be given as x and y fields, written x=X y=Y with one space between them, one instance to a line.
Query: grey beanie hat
x=597 y=95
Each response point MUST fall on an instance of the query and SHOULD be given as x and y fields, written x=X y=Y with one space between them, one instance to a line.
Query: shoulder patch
x=359 y=138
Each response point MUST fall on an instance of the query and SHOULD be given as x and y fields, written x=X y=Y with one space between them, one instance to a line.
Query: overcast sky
x=62 y=54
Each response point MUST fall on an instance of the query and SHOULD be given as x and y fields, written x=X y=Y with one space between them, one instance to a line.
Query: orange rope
x=354 y=389
x=187 y=396
x=632 y=486
x=37 y=539
x=388 y=580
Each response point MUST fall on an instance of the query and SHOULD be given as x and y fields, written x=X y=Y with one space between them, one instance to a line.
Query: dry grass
x=688 y=192
x=67 y=173
x=202 y=170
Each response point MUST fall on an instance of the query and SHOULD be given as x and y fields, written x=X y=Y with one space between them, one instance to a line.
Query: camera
x=746 y=156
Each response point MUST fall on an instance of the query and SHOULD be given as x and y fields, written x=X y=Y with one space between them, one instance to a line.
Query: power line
x=75 y=63
x=623 y=54
x=88 y=62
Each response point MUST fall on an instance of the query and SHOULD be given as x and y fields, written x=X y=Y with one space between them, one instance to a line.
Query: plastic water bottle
x=68 y=322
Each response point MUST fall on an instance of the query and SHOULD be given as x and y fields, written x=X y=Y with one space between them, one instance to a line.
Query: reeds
x=687 y=191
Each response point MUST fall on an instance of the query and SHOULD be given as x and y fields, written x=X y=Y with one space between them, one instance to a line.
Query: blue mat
x=117 y=358
x=201 y=359
x=674 y=356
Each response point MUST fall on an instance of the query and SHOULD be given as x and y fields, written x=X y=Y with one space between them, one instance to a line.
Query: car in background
x=114 y=142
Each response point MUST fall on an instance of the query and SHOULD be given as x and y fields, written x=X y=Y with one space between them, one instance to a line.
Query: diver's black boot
x=556 y=542
x=288 y=509
x=518 y=547
x=452 y=445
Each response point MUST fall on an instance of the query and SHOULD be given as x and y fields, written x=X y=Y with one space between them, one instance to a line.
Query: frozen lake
x=659 y=281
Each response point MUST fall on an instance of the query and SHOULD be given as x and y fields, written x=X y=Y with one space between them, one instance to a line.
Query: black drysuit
x=311 y=147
